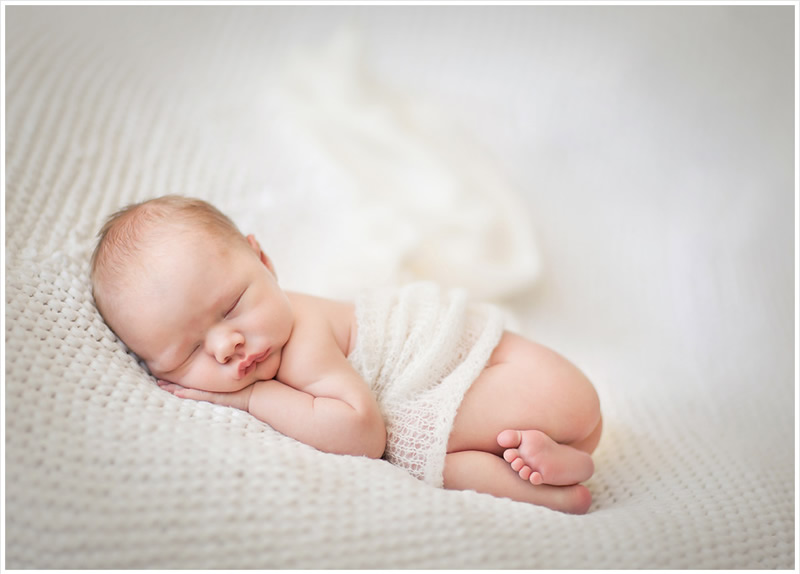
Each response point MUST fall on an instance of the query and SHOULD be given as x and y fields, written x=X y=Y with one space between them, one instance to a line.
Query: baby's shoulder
x=320 y=339
x=319 y=320
x=318 y=310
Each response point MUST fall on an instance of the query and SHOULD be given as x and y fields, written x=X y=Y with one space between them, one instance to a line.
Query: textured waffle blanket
x=652 y=147
x=419 y=349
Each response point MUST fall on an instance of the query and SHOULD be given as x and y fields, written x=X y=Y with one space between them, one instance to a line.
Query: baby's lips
x=251 y=361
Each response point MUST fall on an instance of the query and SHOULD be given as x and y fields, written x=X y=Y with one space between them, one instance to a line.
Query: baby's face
x=209 y=315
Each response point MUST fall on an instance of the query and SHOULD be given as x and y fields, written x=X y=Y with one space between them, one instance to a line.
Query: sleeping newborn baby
x=416 y=375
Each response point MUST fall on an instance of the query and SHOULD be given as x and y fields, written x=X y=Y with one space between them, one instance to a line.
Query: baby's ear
x=263 y=256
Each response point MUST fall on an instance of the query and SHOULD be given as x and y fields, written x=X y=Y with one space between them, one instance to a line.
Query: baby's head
x=189 y=294
x=139 y=233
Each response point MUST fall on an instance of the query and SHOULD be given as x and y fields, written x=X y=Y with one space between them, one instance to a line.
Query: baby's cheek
x=268 y=369
x=196 y=377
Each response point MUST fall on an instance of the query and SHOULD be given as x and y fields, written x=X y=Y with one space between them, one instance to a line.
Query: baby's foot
x=541 y=460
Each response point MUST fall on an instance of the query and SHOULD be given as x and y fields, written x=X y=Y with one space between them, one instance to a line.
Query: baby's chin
x=268 y=368
x=266 y=374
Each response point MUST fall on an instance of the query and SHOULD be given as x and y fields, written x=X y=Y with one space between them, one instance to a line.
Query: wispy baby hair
x=129 y=230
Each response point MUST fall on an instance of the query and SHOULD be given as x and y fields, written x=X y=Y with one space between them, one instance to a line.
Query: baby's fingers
x=237 y=400
x=173 y=388
x=185 y=393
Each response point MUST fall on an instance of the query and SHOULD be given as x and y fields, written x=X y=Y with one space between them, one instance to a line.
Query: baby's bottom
x=552 y=413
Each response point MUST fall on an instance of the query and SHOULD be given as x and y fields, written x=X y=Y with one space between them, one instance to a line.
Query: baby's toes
x=509 y=438
x=525 y=472
x=517 y=464
x=511 y=454
x=536 y=478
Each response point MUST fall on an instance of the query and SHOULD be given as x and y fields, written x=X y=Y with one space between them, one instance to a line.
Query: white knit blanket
x=651 y=147
x=419 y=348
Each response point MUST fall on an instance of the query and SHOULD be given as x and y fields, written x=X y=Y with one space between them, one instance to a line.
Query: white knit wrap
x=420 y=348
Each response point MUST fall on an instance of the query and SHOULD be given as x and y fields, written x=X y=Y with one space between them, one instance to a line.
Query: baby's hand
x=239 y=400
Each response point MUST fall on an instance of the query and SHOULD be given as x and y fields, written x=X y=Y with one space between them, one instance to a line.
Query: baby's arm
x=337 y=414
x=342 y=419
x=319 y=400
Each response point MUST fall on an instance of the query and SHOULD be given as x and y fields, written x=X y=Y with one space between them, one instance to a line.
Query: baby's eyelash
x=186 y=360
x=229 y=311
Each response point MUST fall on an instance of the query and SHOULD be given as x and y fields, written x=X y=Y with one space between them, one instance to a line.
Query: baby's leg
x=527 y=387
x=538 y=458
x=490 y=474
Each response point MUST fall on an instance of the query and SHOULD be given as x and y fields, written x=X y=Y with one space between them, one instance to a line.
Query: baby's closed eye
x=234 y=306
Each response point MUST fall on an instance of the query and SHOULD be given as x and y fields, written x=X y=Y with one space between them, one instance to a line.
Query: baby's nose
x=224 y=345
